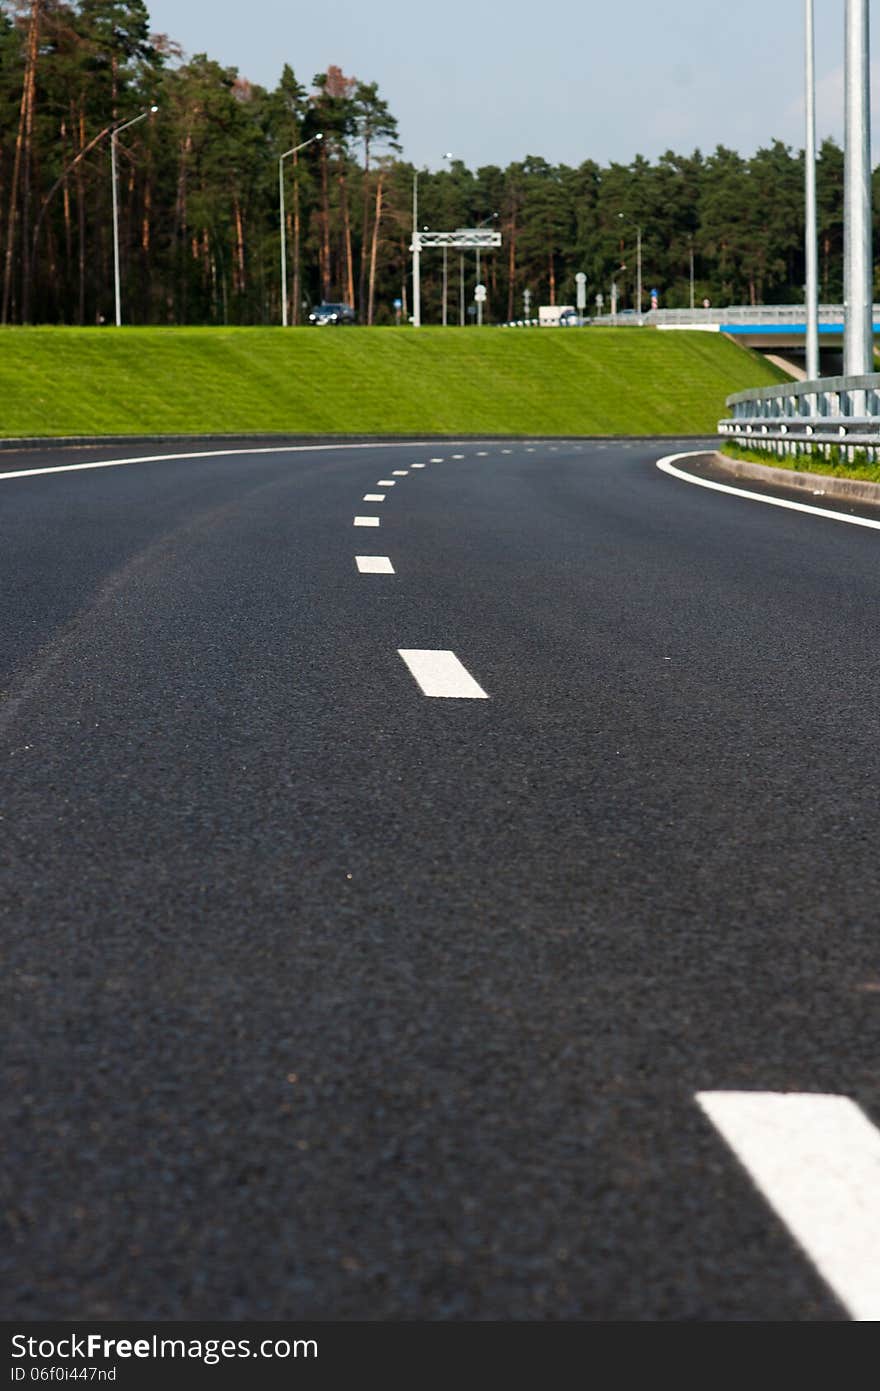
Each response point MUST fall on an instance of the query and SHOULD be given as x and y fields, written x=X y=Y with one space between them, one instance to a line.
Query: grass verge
x=860 y=468
x=70 y=381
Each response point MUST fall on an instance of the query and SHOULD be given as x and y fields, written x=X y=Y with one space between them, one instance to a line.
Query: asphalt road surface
x=341 y=984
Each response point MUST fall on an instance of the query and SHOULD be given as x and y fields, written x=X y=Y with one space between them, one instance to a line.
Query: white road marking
x=507 y=451
x=373 y=497
x=529 y=449
x=440 y=673
x=385 y=483
x=435 y=461
x=419 y=465
x=816 y=1159
x=482 y=453
x=667 y=465
x=457 y=456
x=195 y=454
x=366 y=521
x=374 y=565
x=401 y=472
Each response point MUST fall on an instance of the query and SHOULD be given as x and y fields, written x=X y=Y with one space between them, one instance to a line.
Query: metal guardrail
x=822 y=416
x=747 y=314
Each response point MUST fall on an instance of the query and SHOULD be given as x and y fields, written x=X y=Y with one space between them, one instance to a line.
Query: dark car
x=332 y=314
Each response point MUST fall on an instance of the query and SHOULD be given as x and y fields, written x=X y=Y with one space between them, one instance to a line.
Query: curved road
x=328 y=997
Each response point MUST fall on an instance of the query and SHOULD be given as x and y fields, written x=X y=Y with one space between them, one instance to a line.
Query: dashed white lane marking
x=435 y=461
x=482 y=453
x=507 y=451
x=374 y=565
x=200 y=454
x=440 y=673
x=385 y=483
x=366 y=521
x=419 y=465
x=457 y=456
x=816 y=1159
x=373 y=497
x=667 y=465
x=401 y=472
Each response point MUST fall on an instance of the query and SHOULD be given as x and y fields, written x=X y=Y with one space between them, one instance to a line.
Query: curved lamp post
x=286 y=155
x=113 y=137
x=638 y=228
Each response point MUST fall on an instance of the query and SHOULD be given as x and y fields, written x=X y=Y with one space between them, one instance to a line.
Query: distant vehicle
x=332 y=314
x=550 y=315
x=570 y=318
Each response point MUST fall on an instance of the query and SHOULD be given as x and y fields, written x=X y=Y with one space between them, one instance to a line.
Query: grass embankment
x=69 y=381
x=837 y=466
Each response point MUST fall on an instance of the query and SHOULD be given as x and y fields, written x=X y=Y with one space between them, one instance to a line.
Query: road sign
x=480 y=294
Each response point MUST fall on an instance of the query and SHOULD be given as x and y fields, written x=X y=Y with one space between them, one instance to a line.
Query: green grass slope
x=68 y=381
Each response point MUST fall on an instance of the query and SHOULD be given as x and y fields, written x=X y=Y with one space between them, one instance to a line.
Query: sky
x=583 y=79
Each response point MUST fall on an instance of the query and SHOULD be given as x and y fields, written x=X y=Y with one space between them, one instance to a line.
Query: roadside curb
x=116 y=441
x=816 y=484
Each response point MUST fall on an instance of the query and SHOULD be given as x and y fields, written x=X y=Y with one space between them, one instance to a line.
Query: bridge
x=762 y=325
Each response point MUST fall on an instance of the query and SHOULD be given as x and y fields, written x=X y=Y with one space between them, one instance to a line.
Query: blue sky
x=581 y=79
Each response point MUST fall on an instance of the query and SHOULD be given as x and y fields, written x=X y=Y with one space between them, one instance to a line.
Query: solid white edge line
x=667 y=464
x=816 y=1159
x=439 y=672
x=200 y=454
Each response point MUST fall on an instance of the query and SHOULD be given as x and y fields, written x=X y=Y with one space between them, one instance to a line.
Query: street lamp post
x=638 y=260
x=447 y=156
x=491 y=218
x=416 y=255
x=811 y=291
x=691 y=252
x=286 y=155
x=858 y=336
x=116 y=131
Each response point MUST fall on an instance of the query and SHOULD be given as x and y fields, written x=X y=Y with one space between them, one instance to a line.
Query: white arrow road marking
x=440 y=673
x=816 y=1159
x=366 y=521
x=374 y=565
x=373 y=497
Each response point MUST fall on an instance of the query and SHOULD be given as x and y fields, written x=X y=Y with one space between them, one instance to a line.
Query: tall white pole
x=639 y=270
x=281 y=218
x=283 y=242
x=858 y=341
x=416 y=254
x=113 y=134
x=445 y=281
x=810 y=229
x=691 y=249
x=115 y=231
